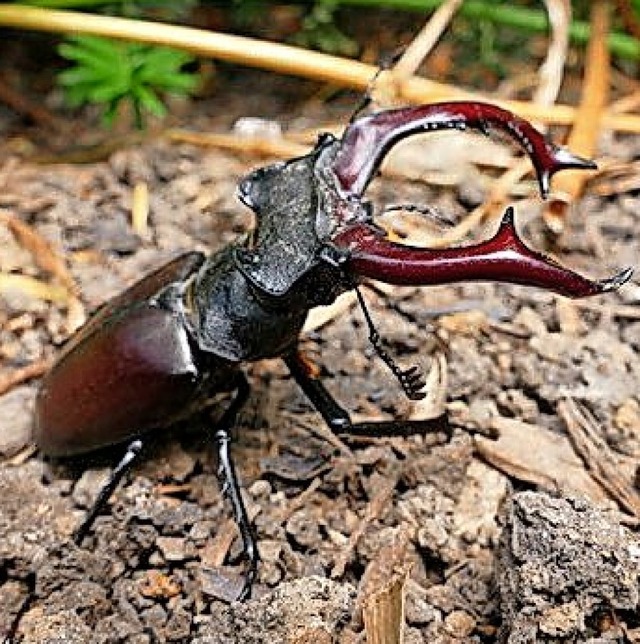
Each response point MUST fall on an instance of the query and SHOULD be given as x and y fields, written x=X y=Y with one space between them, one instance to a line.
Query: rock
x=305 y=610
x=16 y=412
x=561 y=563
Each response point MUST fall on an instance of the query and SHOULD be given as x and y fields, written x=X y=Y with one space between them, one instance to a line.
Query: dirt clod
x=563 y=562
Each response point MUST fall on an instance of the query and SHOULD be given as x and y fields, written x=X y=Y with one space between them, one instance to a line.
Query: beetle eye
x=244 y=192
x=325 y=138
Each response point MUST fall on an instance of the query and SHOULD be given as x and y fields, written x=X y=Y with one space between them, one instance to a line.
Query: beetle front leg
x=338 y=419
x=231 y=486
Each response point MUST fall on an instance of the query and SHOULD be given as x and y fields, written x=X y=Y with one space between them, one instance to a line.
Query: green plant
x=108 y=72
x=319 y=31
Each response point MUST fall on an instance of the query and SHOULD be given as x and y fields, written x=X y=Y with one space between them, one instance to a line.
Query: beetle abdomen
x=133 y=373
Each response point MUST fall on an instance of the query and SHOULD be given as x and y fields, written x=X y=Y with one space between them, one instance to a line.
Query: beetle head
x=505 y=257
x=312 y=208
x=298 y=207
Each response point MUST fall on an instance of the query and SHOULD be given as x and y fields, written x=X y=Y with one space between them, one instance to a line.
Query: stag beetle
x=158 y=351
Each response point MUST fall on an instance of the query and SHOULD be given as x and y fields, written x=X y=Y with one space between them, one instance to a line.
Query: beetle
x=156 y=353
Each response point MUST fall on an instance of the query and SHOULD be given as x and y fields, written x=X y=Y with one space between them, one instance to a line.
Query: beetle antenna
x=367 y=98
x=411 y=379
x=426 y=211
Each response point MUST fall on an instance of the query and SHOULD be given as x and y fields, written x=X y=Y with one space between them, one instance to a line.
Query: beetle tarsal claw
x=615 y=282
x=413 y=383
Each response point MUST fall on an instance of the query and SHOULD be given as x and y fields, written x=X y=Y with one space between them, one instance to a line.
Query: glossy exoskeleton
x=157 y=352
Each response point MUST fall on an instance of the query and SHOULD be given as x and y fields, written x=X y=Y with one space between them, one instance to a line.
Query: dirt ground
x=521 y=524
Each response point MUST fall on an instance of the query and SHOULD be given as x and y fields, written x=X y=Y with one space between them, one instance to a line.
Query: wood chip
x=537 y=455
x=601 y=462
x=383 y=590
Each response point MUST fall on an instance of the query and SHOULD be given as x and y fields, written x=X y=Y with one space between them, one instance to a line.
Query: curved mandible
x=503 y=258
x=367 y=140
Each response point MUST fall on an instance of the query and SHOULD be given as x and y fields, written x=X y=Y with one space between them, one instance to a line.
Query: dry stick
x=15 y=101
x=33 y=287
x=49 y=260
x=260 y=146
x=627 y=103
x=616 y=178
x=22 y=374
x=425 y=41
x=44 y=255
x=586 y=129
x=551 y=70
x=283 y=59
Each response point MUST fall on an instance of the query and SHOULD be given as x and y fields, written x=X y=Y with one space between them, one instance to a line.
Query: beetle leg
x=411 y=380
x=231 y=486
x=124 y=466
x=26 y=604
x=338 y=419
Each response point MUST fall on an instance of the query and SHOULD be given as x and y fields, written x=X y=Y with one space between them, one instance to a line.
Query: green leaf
x=150 y=101
x=107 y=72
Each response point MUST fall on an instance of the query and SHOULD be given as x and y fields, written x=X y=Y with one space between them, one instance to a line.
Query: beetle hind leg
x=231 y=487
x=119 y=471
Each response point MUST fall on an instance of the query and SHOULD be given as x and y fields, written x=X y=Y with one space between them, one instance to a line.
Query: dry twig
x=41 y=250
x=586 y=128
x=551 y=71
x=16 y=377
x=17 y=102
x=425 y=41
x=258 y=146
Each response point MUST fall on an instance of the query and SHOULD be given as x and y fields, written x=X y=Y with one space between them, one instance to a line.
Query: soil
x=519 y=524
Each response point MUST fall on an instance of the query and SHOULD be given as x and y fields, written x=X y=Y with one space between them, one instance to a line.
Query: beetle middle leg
x=338 y=419
x=231 y=485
